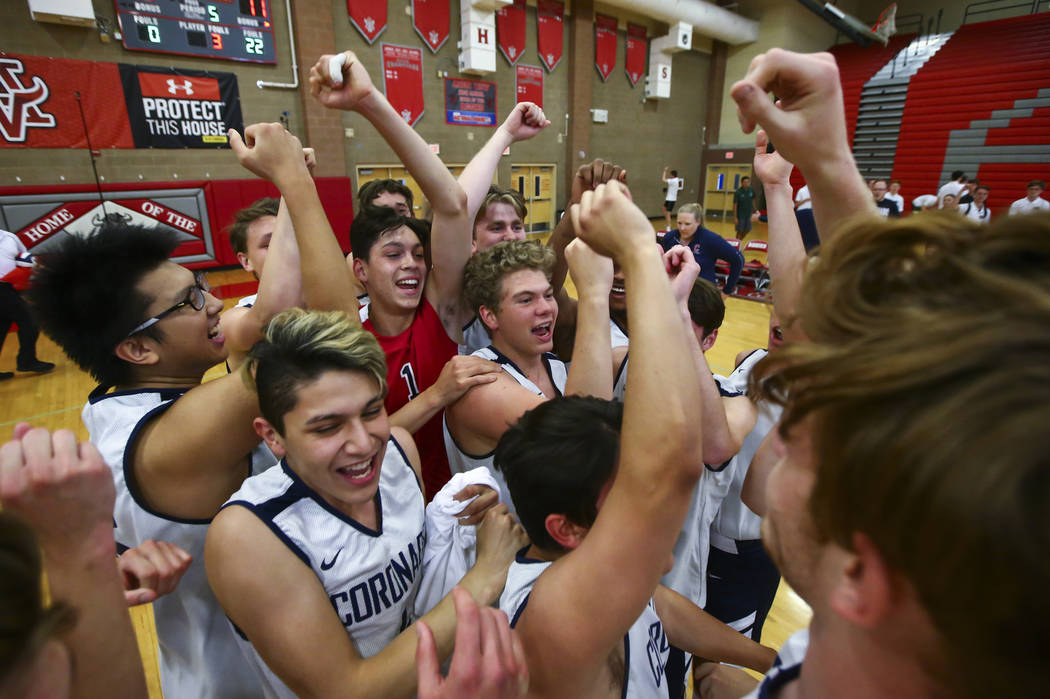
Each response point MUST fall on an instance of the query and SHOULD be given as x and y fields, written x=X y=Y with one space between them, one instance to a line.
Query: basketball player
x=177 y=448
x=347 y=501
x=965 y=358
x=417 y=313
x=604 y=527
x=509 y=286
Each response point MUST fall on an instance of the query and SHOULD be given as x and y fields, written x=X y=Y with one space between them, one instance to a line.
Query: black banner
x=174 y=108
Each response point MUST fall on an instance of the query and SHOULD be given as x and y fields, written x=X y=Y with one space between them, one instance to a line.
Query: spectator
x=954 y=186
x=804 y=215
x=673 y=184
x=976 y=209
x=923 y=202
x=887 y=206
x=743 y=204
x=967 y=195
x=14 y=259
x=950 y=203
x=706 y=246
x=1032 y=202
x=895 y=195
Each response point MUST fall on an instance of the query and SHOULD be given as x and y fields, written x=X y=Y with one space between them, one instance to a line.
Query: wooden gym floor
x=54 y=401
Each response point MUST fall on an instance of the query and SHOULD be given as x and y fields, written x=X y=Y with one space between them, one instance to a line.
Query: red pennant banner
x=430 y=18
x=636 y=45
x=529 y=84
x=510 y=31
x=604 y=44
x=368 y=17
x=403 y=80
x=549 y=21
x=39 y=109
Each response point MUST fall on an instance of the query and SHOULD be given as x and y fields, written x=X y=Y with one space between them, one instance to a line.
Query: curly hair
x=484 y=272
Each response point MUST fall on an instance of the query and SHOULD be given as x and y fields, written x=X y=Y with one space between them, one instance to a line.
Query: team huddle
x=412 y=438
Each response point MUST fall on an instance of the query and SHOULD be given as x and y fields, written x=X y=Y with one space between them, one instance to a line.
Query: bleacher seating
x=984 y=67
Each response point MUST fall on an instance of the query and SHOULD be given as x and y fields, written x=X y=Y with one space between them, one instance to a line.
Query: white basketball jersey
x=370 y=576
x=198 y=652
x=786 y=667
x=460 y=461
x=735 y=520
x=646 y=647
x=618 y=338
x=475 y=337
x=247 y=301
x=688 y=575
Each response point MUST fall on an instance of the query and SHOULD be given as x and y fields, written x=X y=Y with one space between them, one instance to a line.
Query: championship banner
x=39 y=109
x=529 y=84
x=510 y=31
x=403 y=80
x=549 y=21
x=174 y=108
x=430 y=19
x=604 y=44
x=636 y=45
x=470 y=102
x=368 y=17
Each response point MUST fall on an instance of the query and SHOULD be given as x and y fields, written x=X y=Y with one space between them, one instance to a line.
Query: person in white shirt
x=977 y=209
x=923 y=202
x=1033 y=202
x=13 y=254
x=955 y=186
x=895 y=195
x=807 y=225
x=674 y=184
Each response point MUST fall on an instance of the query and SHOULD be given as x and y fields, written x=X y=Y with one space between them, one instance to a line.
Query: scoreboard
x=232 y=30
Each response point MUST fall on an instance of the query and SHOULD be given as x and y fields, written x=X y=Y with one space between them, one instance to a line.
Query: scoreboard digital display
x=233 y=30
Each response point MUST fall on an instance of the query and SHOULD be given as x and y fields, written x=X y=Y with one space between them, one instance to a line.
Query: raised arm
x=64 y=492
x=590 y=373
x=810 y=102
x=524 y=121
x=787 y=255
x=270 y=151
x=572 y=622
x=449 y=247
x=663 y=177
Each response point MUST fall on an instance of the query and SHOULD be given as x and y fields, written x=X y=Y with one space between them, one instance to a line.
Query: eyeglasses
x=194 y=299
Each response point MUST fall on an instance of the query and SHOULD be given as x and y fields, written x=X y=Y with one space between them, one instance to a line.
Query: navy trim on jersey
x=748 y=356
x=520 y=557
x=547 y=356
x=619 y=325
x=619 y=372
x=121 y=548
x=717 y=468
x=726 y=393
x=316 y=497
x=267 y=511
x=129 y=471
x=471 y=322
x=99 y=393
x=772 y=685
x=465 y=452
x=521 y=608
x=626 y=663
x=405 y=457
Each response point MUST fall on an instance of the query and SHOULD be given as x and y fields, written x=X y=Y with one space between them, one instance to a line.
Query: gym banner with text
x=549 y=31
x=61 y=103
x=173 y=108
x=470 y=102
x=510 y=31
x=529 y=86
x=430 y=19
x=636 y=45
x=604 y=44
x=368 y=17
x=403 y=80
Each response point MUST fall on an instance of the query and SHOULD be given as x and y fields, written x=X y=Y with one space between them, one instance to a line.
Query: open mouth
x=408 y=285
x=618 y=289
x=359 y=473
x=215 y=334
x=543 y=332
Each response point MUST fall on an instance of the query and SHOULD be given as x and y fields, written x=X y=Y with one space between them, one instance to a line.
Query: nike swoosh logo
x=327 y=565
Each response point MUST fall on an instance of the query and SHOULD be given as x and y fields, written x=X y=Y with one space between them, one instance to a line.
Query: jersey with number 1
x=414 y=360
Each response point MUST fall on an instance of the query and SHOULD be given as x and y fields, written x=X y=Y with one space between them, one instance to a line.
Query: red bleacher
x=983 y=67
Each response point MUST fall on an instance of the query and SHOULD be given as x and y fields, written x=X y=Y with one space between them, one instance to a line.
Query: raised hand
x=683 y=269
x=592 y=273
x=772 y=168
x=525 y=121
x=270 y=151
x=608 y=221
x=340 y=81
x=594 y=173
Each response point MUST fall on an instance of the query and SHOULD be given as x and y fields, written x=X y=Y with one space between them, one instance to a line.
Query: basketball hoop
x=886 y=26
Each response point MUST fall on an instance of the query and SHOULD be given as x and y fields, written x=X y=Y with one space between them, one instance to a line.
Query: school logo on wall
x=20 y=103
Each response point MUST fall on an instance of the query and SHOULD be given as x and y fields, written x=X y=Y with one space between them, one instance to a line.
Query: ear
x=138 y=349
x=488 y=317
x=269 y=435
x=563 y=531
x=709 y=341
x=245 y=263
x=360 y=270
x=864 y=593
x=474 y=243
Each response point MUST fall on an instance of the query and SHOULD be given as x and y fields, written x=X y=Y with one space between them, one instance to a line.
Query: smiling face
x=618 y=293
x=395 y=271
x=687 y=225
x=501 y=222
x=335 y=439
x=192 y=341
x=524 y=322
x=257 y=243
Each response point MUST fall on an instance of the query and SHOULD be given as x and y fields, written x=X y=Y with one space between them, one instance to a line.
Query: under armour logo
x=370 y=25
x=186 y=87
x=406 y=114
x=327 y=565
x=20 y=104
